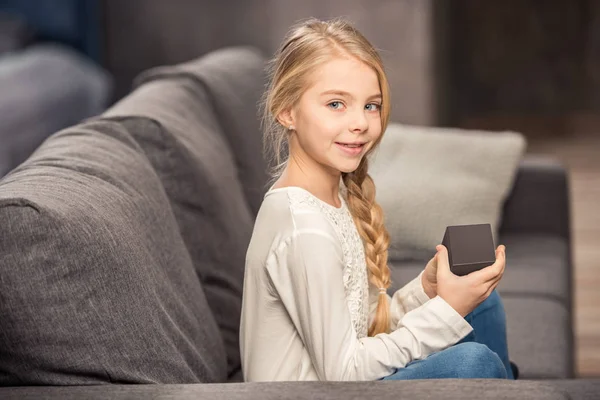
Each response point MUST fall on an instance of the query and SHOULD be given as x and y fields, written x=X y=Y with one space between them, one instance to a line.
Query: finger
x=494 y=281
x=432 y=261
x=443 y=265
x=500 y=267
x=502 y=257
x=501 y=251
x=490 y=272
x=491 y=288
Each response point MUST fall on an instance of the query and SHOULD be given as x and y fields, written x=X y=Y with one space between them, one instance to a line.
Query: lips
x=351 y=145
x=350 y=149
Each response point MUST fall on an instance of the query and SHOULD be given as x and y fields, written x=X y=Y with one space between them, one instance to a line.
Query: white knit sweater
x=307 y=301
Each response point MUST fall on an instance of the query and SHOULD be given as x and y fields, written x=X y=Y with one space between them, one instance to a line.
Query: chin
x=348 y=168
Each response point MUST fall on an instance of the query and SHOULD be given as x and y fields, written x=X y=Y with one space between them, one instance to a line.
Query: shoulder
x=287 y=222
x=299 y=209
x=300 y=219
x=310 y=251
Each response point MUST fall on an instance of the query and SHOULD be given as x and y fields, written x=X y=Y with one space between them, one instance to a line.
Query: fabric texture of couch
x=123 y=242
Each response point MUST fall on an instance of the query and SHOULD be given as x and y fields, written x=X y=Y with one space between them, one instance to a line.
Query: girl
x=315 y=305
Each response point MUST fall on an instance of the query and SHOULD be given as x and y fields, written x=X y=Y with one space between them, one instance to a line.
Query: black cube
x=470 y=247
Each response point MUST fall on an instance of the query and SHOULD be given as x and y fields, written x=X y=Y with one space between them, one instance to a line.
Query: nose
x=359 y=121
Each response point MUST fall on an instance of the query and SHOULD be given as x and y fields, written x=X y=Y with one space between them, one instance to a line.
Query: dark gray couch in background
x=45 y=88
x=123 y=241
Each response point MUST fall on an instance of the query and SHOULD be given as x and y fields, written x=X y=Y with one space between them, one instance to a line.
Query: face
x=337 y=119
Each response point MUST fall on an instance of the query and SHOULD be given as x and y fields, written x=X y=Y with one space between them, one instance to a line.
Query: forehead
x=347 y=74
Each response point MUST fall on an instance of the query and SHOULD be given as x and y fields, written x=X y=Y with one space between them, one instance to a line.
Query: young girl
x=315 y=305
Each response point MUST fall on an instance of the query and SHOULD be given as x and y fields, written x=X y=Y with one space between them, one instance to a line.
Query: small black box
x=470 y=247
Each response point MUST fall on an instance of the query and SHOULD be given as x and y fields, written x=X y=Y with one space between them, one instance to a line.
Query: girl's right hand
x=465 y=293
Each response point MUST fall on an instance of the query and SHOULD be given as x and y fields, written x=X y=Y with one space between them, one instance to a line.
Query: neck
x=320 y=180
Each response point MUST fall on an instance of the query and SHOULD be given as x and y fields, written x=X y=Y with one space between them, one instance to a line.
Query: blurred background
x=524 y=65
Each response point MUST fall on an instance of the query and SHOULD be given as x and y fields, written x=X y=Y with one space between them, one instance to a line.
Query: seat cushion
x=173 y=121
x=535 y=265
x=535 y=289
x=234 y=79
x=96 y=284
x=539 y=337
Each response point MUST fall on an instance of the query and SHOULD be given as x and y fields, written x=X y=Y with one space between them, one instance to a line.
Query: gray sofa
x=45 y=88
x=123 y=240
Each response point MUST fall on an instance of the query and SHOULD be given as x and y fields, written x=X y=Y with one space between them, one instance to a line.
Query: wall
x=144 y=33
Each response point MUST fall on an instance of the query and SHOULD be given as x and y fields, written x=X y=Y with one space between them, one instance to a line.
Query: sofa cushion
x=234 y=79
x=96 y=284
x=15 y=33
x=538 y=324
x=539 y=337
x=45 y=88
x=172 y=120
x=429 y=178
x=536 y=264
x=78 y=23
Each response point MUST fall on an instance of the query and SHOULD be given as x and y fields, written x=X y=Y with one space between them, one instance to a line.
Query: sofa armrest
x=539 y=200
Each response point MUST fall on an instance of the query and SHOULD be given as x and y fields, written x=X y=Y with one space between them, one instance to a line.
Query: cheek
x=321 y=125
x=375 y=127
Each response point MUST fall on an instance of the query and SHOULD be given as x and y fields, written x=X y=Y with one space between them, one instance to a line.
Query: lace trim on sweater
x=355 y=277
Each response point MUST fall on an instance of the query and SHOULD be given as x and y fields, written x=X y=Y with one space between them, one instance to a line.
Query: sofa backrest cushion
x=96 y=284
x=234 y=79
x=200 y=176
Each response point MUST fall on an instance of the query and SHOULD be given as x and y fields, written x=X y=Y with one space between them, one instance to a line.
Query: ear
x=286 y=118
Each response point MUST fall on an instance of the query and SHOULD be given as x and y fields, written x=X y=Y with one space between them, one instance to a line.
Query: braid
x=368 y=217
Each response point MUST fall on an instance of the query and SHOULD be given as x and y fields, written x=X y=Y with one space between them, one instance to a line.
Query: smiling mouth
x=351 y=150
x=351 y=146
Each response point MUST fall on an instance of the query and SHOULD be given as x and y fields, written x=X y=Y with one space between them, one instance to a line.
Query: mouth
x=352 y=149
x=351 y=145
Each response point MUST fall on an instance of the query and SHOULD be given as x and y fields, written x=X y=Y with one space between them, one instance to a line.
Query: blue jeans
x=481 y=354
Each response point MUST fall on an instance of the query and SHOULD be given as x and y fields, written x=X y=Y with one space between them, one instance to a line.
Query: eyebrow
x=346 y=94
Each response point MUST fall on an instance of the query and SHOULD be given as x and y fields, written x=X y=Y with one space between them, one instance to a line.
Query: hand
x=465 y=293
x=429 y=278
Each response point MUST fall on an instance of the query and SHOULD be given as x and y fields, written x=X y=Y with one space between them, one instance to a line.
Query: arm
x=308 y=274
x=405 y=299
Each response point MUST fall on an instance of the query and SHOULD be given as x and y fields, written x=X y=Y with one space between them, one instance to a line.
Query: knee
x=476 y=360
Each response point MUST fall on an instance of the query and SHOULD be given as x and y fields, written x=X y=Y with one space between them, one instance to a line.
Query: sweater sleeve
x=307 y=273
x=405 y=299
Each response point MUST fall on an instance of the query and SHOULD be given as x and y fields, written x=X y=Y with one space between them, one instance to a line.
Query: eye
x=373 y=107
x=336 y=105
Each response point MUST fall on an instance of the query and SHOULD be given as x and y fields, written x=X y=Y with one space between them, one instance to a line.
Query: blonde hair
x=306 y=46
